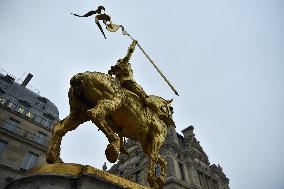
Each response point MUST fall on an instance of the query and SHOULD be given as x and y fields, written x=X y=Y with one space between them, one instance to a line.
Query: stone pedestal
x=71 y=176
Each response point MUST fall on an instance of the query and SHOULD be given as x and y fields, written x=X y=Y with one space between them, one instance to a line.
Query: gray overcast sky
x=225 y=57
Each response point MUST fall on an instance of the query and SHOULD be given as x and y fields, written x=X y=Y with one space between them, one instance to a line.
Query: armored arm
x=123 y=63
x=130 y=51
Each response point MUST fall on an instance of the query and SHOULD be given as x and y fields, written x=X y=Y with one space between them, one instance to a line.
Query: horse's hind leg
x=98 y=115
x=152 y=151
x=70 y=123
x=163 y=165
x=149 y=149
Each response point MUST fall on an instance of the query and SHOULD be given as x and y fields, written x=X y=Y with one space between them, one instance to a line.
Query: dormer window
x=24 y=106
x=25 y=103
x=41 y=102
x=49 y=116
x=42 y=99
x=8 y=79
x=5 y=81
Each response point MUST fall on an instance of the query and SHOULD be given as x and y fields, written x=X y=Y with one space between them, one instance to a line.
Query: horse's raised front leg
x=98 y=115
x=70 y=123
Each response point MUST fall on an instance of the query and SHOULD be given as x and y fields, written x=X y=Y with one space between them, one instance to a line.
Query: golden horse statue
x=118 y=113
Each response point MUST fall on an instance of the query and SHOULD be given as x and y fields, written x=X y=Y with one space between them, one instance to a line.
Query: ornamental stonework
x=188 y=166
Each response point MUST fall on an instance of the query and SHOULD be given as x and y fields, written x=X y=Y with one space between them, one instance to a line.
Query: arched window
x=23 y=107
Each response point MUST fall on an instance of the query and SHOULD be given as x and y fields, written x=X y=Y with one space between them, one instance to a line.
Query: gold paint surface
x=77 y=170
x=120 y=108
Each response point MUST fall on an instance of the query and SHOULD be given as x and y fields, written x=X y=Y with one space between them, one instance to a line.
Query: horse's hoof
x=50 y=158
x=112 y=153
x=160 y=181
x=151 y=180
x=59 y=160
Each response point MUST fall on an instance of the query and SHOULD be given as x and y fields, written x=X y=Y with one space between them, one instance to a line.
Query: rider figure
x=124 y=74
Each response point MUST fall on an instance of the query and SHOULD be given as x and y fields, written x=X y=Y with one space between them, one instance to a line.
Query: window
x=41 y=138
x=2 y=100
x=2 y=92
x=11 y=125
x=8 y=79
x=181 y=170
x=137 y=176
x=42 y=99
x=200 y=179
x=3 y=145
x=47 y=120
x=158 y=170
x=3 y=85
x=24 y=107
x=5 y=81
x=137 y=153
x=30 y=161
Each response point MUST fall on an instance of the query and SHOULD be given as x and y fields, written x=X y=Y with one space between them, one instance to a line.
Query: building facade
x=26 y=121
x=188 y=165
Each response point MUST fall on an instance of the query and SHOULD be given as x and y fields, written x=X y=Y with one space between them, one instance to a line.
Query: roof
x=20 y=96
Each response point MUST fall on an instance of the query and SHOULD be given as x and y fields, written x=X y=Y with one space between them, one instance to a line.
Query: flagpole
x=152 y=62
x=113 y=28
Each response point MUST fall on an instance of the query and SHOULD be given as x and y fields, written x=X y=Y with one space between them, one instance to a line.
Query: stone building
x=188 y=165
x=26 y=120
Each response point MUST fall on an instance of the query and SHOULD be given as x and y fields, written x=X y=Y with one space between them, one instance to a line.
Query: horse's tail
x=76 y=83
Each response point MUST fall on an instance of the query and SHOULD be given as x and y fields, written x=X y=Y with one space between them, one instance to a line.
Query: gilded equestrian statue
x=119 y=107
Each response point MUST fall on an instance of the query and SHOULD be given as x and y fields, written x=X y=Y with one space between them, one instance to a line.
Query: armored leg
x=134 y=87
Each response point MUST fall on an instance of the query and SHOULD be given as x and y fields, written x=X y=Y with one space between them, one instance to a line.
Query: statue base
x=71 y=176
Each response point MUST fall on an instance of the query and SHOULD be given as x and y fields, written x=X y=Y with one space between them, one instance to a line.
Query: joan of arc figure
x=124 y=74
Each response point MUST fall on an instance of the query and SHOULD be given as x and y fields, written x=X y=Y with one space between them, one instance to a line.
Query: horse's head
x=163 y=109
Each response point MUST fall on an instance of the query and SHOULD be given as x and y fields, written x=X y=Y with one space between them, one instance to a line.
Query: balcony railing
x=18 y=80
x=17 y=131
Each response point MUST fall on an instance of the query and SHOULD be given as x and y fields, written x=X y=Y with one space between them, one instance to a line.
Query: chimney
x=188 y=132
x=27 y=80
